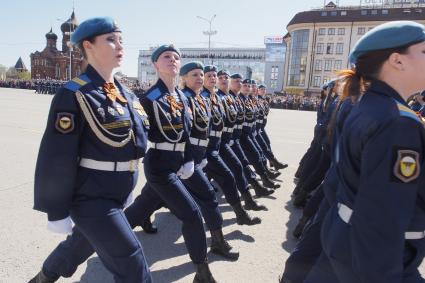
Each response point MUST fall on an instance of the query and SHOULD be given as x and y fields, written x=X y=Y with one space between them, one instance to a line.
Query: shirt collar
x=382 y=88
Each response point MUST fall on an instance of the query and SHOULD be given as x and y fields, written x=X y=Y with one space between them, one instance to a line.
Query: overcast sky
x=239 y=23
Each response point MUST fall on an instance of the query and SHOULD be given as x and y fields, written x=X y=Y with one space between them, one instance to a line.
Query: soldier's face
x=413 y=67
x=236 y=85
x=168 y=63
x=223 y=81
x=194 y=79
x=106 y=50
x=246 y=88
x=261 y=91
x=210 y=80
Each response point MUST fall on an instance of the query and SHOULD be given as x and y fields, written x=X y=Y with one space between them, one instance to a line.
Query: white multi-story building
x=320 y=40
x=249 y=62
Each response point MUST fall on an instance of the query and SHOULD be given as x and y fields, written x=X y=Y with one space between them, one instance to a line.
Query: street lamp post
x=209 y=32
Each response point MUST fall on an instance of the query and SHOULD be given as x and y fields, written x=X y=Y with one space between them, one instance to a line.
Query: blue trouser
x=263 y=157
x=237 y=149
x=313 y=204
x=308 y=249
x=315 y=175
x=160 y=171
x=104 y=230
x=266 y=138
x=218 y=170
x=199 y=188
x=264 y=146
x=233 y=162
x=254 y=156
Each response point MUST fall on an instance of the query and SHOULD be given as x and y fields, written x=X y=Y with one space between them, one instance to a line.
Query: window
x=298 y=58
x=333 y=13
x=325 y=80
x=338 y=65
x=323 y=14
x=318 y=65
x=361 y=31
x=374 y=12
x=341 y=31
x=328 y=65
x=384 y=12
x=363 y=12
x=274 y=73
x=319 y=49
x=343 y=13
x=339 y=48
x=331 y=31
x=329 y=48
x=316 y=81
x=322 y=31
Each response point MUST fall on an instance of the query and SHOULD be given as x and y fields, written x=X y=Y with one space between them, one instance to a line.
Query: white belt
x=414 y=235
x=239 y=127
x=199 y=142
x=120 y=166
x=216 y=134
x=231 y=142
x=345 y=213
x=168 y=146
x=254 y=133
x=245 y=124
x=260 y=121
x=228 y=130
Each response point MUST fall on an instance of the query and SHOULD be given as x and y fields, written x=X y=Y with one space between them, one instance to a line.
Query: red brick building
x=52 y=63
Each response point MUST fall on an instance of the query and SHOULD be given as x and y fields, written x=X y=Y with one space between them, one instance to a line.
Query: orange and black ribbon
x=112 y=93
x=201 y=102
x=174 y=105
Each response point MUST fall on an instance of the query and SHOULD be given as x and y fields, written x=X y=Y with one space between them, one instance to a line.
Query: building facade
x=320 y=40
x=274 y=63
x=51 y=63
x=249 y=62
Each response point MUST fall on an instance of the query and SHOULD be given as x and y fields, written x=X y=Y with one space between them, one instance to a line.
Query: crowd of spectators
x=295 y=102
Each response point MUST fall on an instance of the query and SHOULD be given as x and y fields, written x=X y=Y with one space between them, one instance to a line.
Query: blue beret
x=223 y=72
x=253 y=82
x=246 y=81
x=389 y=35
x=261 y=86
x=236 y=76
x=167 y=47
x=210 y=68
x=93 y=27
x=191 y=66
x=325 y=86
x=331 y=84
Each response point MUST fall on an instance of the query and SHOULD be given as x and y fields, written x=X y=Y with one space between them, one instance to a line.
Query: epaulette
x=407 y=112
x=77 y=82
x=154 y=94
x=187 y=94
x=205 y=94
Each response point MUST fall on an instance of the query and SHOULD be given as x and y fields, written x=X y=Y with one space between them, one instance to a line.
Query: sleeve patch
x=65 y=123
x=407 y=166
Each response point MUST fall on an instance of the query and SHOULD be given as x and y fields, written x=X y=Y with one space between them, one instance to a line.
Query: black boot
x=272 y=175
x=203 y=274
x=243 y=218
x=269 y=183
x=260 y=191
x=277 y=165
x=148 y=227
x=220 y=246
x=41 y=278
x=250 y=203
x=300 y=227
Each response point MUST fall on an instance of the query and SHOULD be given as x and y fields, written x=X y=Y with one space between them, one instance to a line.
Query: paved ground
x=25 y=241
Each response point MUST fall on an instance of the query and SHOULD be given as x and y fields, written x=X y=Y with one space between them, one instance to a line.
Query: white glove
x=186 y=170
x=63 y=226
x=203 y=163
x=129 y=200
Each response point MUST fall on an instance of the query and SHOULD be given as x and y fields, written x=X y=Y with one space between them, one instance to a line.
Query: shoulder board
x=154 y=94
x=187 y=94
x=77 y=82
x=407 y=112
x=205 y=94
